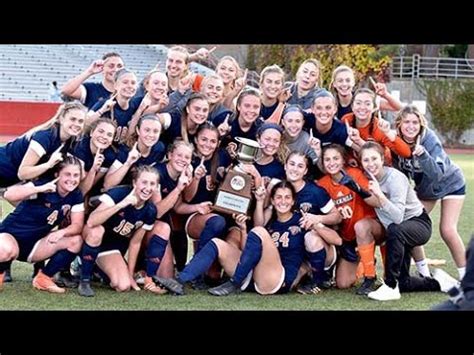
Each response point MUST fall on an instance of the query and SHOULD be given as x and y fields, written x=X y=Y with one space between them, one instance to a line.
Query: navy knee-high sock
x=154 y=254
x=317 y=261
x=58 y=261
x=213 y=228
x=200 y=263
x=5 y=265
x=250 y=257
x=88 y=257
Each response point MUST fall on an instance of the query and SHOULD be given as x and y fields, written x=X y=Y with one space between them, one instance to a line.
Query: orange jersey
x=350 y=205
x=373 y=132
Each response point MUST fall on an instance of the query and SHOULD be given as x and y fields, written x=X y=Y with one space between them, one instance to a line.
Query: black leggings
x=401 y=239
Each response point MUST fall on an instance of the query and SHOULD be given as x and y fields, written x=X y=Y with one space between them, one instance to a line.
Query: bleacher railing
x=417 y=67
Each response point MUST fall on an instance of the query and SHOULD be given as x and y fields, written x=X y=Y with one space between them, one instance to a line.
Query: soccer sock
x=422 y=267
x=154 y=254
x=249 y=258
x=5 y=265
x=58 y=261
x=88 y=257
x=461 y=272
x=366 y=253
x=317 y=260
x=200 y=263
x=213 y=228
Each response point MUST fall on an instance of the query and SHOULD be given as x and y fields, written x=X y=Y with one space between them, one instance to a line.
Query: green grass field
x=20 y=295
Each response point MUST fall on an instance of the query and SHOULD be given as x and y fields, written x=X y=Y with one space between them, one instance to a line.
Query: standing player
x=436 y=178
x=90 y=93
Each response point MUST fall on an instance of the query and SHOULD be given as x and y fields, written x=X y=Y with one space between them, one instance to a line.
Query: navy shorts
x=348 y=251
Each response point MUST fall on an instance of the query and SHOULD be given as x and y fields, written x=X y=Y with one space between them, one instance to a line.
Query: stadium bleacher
x=27 y=70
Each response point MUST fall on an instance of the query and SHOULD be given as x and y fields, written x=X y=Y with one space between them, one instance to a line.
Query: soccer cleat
x=367 y=286
x=65 y=279
x=385 y=293
x=310 y=288
x=171 y=285
x=446 y=281
x=45 y=283
x=8 y=275
x=85 y=289
x=225 y=289
x=149 y=285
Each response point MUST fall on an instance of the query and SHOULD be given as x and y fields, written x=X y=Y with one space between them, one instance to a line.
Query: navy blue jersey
x=272 y=170
x=95 y=92
x=312 y=198
x=83 y=152
x=174 y=129
x=206 y=191
x=336 y=134
x=44 y=143
x=121 y=117
x=156 y=155
x=267 y=111
x=236 y=131
x=126 y=221
x=167 y=184
x=341 y=111
x=289 y=239
x=33 y=219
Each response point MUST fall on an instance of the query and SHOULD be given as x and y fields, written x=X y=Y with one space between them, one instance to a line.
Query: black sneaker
x=225 y=289
x=310 y=288
x=171 y=285
x=8 y=275
x=367 y=286
x=85 y=289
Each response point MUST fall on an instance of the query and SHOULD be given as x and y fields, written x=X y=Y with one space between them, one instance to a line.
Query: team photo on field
x=236 y=177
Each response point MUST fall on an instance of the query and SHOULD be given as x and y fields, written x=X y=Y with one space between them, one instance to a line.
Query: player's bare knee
x=344 y=282
x=74 y=243
x=94 y=236
x=8 y=251
x=261 y=232
x=313 y=242
x=123 y=286
x=162 y=229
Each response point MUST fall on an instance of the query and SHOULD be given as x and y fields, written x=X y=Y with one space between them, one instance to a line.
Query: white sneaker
x=446 y=281
x=385 y=293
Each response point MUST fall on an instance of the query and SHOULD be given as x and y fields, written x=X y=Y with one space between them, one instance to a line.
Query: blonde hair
x=272 y=69
x=318 y=66
x=336 y=72
x=54 y=121
x=411 y=109
x=180 y=49
x=239 y=72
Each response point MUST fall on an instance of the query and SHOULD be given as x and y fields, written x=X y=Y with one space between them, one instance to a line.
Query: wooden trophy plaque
x=235 y=193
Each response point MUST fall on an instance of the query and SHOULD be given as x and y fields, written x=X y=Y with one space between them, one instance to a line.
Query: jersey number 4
x=52 y=217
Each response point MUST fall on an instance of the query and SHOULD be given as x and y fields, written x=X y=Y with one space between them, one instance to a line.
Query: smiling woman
x=26 y=235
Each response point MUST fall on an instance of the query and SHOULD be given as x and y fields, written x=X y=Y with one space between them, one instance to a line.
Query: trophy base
x=230 y=203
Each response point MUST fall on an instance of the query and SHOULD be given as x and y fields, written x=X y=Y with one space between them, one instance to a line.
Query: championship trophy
x=235 y=193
